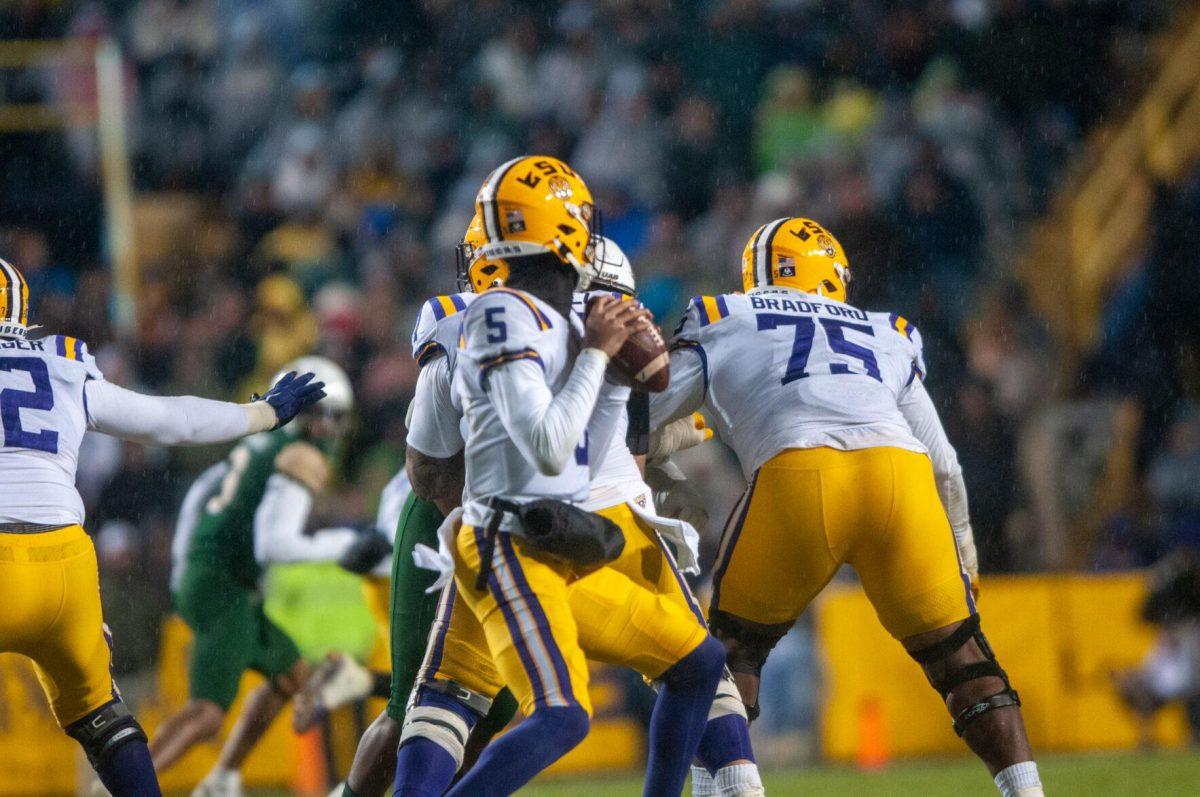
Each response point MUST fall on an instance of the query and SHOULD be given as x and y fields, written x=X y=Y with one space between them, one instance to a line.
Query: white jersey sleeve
x=190 y=512
x=391 y=504
x=165 y=420
x=503 y=341
x=688 y=387
x=279 y=523
x=438 y=324
x=433 y=423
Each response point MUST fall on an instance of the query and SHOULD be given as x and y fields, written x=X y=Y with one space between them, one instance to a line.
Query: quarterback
x=241 y=516
x=51 y=392
x=826 y=409
x=530 y=388
x=458 y=663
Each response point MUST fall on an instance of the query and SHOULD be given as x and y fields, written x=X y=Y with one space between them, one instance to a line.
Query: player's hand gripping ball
x=642 y=361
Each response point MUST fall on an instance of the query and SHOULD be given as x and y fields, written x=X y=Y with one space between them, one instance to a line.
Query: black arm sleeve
x=638 y=410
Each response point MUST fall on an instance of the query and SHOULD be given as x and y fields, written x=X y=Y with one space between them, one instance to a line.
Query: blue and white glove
x=292 y=395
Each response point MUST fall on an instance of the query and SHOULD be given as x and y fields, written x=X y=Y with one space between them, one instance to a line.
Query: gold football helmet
x=536 y=204
x=477 y=273
x=14 y=302
x=796 y=253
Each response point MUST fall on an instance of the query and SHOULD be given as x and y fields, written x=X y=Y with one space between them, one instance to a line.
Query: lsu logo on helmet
x=796 y=253
x=537 y=204
x=14 y=302
x=477 y=273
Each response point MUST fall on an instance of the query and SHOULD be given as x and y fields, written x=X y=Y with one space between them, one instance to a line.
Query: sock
x=1019 y=780
x=381 y=685
x=127 y=772
x=679 y=717
x=726 y=739
x=423 y=768
x=516 y=757
x=739 y=780
x=703 y=784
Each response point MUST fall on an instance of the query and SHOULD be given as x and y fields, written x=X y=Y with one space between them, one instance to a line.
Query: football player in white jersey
x=825 y=406
x=458 y=664
x=527 y=398
x=51 y=392
x=434 y=460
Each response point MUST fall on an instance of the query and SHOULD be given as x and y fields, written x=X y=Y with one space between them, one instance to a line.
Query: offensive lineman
x=242 y=515
x=825 y=406
x=526 y=442
x=51 y=392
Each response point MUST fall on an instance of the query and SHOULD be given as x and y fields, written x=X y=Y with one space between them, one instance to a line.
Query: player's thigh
x=31 y=593
x=225 y=639
x=412 y=608
x=910 y=568
x=75 y=657
x=274 y=653
x=458 y=648
x=646 y=562
x=776 y=553
x=527 y=621
x=625 y=624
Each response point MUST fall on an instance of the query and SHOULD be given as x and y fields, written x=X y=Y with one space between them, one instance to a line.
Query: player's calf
x=725 y=755
x=960 y=664
x=681 y=715
x=115 y=745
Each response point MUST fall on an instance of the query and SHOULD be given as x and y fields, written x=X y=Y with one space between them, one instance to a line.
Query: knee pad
x=727 y=700
x=747 y=644
x=442 y=719
x=951 y=679
x=104 y=730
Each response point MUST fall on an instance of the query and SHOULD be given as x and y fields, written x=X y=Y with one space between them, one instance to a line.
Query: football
x=643 y=362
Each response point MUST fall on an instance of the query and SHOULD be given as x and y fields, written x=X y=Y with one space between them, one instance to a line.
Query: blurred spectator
x=1173 y=481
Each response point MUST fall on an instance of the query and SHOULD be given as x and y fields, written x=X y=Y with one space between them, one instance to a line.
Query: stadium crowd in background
x=330 y=151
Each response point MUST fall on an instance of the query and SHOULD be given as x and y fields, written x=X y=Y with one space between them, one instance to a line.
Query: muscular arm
x=922 y=417
x=171 y=420
x=434 y=479
x=545 y=426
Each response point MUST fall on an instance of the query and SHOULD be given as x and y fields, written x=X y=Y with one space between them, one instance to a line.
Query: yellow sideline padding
x=38 y=760
x=1060 y=638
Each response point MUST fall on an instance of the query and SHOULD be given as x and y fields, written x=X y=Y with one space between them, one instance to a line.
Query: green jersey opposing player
x=241 y=516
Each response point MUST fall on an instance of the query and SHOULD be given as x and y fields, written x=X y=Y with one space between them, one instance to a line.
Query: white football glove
x=678 y=435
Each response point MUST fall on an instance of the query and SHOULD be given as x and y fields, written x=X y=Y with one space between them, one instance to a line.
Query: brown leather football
x=643 y=361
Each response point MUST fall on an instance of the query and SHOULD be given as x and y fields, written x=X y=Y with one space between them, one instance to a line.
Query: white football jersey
x=438 y=327
x=785 y=369
x=44 y=415
x=435 y=422
x=618 y=479
x=502 y=326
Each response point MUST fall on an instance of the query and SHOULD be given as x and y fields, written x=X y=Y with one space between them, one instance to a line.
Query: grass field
x=1098 y=775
